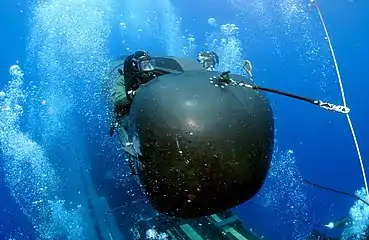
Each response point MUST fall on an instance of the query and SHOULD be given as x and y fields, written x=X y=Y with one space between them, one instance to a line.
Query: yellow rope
x=343 y=97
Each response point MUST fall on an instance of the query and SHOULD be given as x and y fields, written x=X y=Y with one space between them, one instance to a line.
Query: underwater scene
x=184 y=120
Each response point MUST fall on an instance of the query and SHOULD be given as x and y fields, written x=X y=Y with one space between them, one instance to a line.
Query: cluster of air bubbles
x=15 y=71
x=298 y=25
x=212 y=22
x=71 y=220
x=359 y=215
x=299 y=22
x=283 y=190
x=71 y=60
x=172 y=31
x=133 y=22
x=123 y=26
x=191 y=38
x=190 y=48
x=260 y=10
x=228 y=47
x=157 y=20
x=12 y=98
x=152 y=234
x=30 y=176
x=229 y=29
x=71 y=57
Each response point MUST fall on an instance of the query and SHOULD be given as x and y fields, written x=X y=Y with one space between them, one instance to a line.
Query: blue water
x=55 y=133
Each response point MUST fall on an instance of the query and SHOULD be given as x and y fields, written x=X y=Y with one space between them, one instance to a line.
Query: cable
x=332 y=190
x=224 y=79
x=343 y=97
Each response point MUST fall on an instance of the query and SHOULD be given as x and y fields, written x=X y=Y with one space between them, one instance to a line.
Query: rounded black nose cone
x=204 y=149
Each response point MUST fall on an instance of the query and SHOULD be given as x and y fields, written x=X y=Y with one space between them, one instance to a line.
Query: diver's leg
x=125 y=138
x=120 y=111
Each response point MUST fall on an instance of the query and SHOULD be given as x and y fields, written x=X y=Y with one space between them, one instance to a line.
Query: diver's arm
x=121 y=103
x=118 y=91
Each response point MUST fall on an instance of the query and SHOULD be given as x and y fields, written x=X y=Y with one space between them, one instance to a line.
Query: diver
x=209 y=60
x=137 y=70
x=341 y=223
x=344 y=222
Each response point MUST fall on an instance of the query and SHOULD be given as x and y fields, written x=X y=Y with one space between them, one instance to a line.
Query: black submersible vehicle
x=200 y=143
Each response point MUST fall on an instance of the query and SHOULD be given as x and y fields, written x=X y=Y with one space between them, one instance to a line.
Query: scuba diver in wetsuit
x=137 y=70
x=209 y=60
x=318 y=235
x=341 y=223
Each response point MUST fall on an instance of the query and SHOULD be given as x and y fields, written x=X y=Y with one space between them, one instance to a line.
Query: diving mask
x=143 y=62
